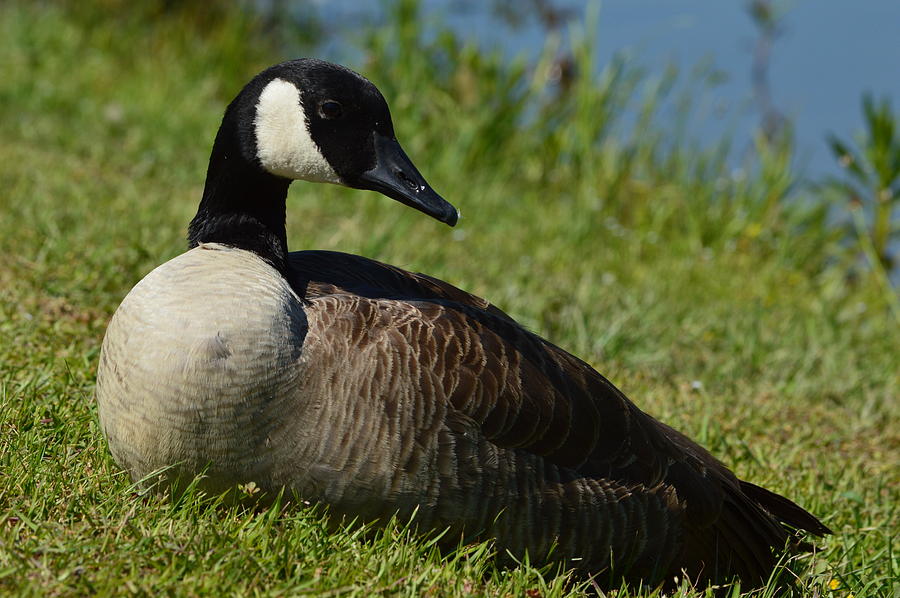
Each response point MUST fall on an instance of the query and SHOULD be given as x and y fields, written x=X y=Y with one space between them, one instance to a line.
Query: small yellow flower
x=753 y=230
x=834 y=584
x=249 y=488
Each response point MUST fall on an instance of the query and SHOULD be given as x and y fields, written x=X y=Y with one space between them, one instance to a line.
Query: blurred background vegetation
x=729 y=294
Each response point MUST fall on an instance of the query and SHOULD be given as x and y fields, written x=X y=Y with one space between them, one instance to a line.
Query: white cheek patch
x=283 y=144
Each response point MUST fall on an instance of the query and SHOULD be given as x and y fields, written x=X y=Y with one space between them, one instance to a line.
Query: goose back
x=577 y=446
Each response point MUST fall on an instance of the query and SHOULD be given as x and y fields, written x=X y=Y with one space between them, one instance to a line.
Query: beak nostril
x=406 y=180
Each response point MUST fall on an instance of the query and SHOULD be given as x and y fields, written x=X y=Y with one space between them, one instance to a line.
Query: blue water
x=828 y=54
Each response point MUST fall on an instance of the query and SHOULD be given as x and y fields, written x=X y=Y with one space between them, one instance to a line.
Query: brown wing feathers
x=653 y=497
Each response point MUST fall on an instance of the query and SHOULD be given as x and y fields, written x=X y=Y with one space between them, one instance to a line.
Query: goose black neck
x=243 y=206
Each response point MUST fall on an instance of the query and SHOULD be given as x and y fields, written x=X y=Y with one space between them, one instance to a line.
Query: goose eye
x=330 y=109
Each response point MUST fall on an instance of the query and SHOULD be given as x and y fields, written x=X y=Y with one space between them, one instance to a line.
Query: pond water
x=828 y=53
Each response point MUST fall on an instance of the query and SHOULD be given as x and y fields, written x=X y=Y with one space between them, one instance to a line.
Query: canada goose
x=378 y=391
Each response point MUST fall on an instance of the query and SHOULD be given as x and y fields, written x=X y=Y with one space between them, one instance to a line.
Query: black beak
x=395 y=176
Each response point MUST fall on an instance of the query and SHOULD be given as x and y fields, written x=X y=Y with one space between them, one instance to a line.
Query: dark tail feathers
x=785 y=510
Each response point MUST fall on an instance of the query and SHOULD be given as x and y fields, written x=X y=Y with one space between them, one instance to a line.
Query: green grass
x=714 y=302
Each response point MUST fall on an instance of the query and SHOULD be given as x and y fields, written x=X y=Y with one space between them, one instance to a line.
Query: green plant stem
x=881 y=228
x=875 y=259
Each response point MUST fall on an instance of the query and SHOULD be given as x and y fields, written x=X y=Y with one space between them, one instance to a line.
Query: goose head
x=304 y=120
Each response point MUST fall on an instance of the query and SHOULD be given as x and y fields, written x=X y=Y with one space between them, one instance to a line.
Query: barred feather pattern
x=379 y=392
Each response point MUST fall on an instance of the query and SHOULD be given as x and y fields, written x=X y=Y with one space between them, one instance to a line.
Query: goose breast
x=200 y=366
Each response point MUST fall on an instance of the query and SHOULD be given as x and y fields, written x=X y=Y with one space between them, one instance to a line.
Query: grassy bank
x=712 y=300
